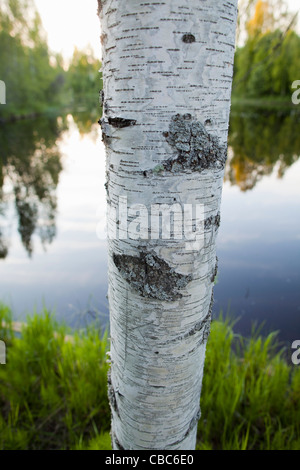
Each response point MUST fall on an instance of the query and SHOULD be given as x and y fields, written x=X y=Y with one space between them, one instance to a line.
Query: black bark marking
x=111 y=395
x=215 y=271
x=207 y=320
x=213 y=220
x=203 y=325
x=101 y=95
x=116 y=442
x=188 y=38
x=195 y=149
x=106 y=107
x=192 y=425
x=106 y=185
x=120 y=123
x=151 y=276
x=208 y=317
x=104 y=131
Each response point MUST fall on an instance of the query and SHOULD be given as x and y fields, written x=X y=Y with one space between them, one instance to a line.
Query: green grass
x=53 y=392
x=250 y=395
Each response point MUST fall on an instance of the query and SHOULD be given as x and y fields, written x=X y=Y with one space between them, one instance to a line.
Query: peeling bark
x=151 y=277
x=195 y=148
x=167 y=74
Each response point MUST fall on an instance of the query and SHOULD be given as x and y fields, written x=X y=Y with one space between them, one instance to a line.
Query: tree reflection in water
x=30 y=165
x=261 y=141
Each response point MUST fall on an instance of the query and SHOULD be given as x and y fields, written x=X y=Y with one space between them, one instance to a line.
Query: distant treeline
x=267 y=65
x=37 y=80
x=269 y=61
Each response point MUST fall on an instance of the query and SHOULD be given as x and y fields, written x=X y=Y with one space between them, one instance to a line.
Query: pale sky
x=71 y=23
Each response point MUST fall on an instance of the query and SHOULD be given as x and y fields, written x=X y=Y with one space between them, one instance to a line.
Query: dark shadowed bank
x=53 y=389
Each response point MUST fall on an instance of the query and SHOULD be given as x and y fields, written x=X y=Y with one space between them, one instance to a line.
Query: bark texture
x=167 y=73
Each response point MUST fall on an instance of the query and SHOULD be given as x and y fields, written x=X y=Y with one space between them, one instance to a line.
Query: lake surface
x=52 y=220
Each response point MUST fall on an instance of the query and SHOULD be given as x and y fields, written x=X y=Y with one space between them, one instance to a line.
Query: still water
x=52 y=220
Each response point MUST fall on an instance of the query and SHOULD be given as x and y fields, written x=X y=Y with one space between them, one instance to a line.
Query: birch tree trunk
x=167 y=74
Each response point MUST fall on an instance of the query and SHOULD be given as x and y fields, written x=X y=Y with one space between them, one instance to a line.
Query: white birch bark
x=167 y=73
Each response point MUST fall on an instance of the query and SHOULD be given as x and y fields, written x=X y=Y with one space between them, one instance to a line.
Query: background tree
x=33 y=81
x=266 y=65
x=83 y=76
x=261 y=14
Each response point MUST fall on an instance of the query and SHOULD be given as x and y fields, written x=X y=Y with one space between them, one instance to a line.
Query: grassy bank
x=53 y=391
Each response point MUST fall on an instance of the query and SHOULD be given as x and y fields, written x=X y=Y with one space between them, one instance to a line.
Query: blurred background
x=52 y=167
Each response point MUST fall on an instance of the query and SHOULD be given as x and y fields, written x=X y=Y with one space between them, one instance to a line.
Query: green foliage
x=35 y=78
x=101 y=442
x=267 y=65
x=32 y=82
x=249 y=395
x=53 y=392
x=83 y=77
